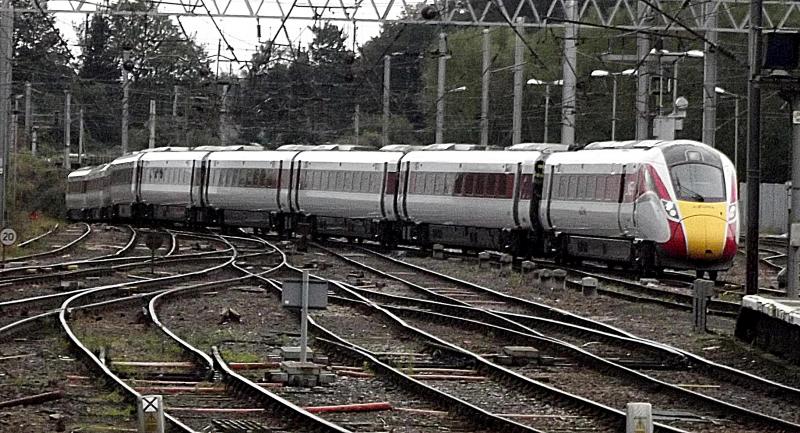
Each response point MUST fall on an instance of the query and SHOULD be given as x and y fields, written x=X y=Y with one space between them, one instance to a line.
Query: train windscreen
x=698 y=182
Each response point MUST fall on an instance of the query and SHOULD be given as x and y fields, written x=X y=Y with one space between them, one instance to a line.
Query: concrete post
x=643 y=78
x=387 y=82
x=151 y=142
x=792 y=271
x=589 y=286
x=703 y=290
x=125 y=99
x=80 y=137
x=559 y=279
x=569 y=100
x=150 y=409
x=710 y=75
x=519 y=69
x=356 y=126
x=67 y=127
x=28 y=110
x=639 y=418
x=440 y=83
x=485 y=77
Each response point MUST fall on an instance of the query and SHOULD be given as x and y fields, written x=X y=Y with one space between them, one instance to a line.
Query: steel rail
x=577 y=352
x=94 y=361
x=461 y=406
x=72 y=243
x=25 y=243
x=215 y=363
x=544 y=309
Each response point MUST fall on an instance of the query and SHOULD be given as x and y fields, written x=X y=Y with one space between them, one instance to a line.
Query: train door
x=405 y=168
x=627 y=203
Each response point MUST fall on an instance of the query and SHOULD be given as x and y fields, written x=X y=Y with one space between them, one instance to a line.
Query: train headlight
x=671 y=210
x=732 y=212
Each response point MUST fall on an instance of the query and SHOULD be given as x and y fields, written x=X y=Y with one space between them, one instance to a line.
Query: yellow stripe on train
x=705 y=226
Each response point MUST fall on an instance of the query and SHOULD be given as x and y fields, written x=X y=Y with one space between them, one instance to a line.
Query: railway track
x=744 y=382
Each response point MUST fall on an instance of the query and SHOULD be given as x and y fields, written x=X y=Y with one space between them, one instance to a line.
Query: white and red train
x=648 y=204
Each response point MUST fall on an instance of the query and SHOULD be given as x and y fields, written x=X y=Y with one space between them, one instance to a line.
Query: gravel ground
x=43 y=363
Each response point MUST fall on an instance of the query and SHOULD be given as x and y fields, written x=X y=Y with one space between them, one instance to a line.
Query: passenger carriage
x=169 y=185
x=474 y=199
x=249 y=189
x=76 y=193
x=97 y=199
x=346 y=193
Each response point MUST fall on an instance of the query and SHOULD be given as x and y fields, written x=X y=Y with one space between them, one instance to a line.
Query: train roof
x=640 y=144
x=351 y=156
x=539 y=147
x=173 y=156
x=477 y=157
x=256 y=155
x=80 y=173
x=453 y=146
x=237 y=148
x=295 y=147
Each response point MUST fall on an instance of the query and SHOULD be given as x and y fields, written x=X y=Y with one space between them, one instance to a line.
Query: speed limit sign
x=8 y=237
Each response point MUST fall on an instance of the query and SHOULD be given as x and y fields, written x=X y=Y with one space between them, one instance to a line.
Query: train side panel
x=488 y=189
x=168 y=184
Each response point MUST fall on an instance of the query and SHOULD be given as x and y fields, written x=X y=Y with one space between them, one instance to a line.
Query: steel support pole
x=67 y=127
x=80 y=137
x=569 y=103
x=224 y=128
x=440 y=83
x=151 y=124
x=736 y=136
x=175 y=90
x=125 y=98
x=356 y=126
x=546 y=111
x=387 y=83
x=519 y=60
x=710 y=75
x=304 y=320
x=793 y=260
x=485 y=77
x=28 y=111
x=613 y=107
x=643 y=77
x=753 y=147
x=6 y=55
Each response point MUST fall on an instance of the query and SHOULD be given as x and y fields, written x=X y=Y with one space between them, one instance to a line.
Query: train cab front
x=702 y=215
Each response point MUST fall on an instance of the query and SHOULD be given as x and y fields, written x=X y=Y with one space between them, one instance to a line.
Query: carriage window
x=591 y=186
x=458 y=184
x=600 y=191
x=581 y=187
x=491 y=185
x=348 y=181
x=573 y=187
x=612 y=188
x=375 y=180
x=480 y=185
x=563 y=186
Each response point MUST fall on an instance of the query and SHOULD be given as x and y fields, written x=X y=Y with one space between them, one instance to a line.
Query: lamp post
x=602 y=73
x=736 y=98
x=546 y=84
x=674 y=57
x=440 y=106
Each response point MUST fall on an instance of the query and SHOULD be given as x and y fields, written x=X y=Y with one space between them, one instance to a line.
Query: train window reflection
x=698 y=182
